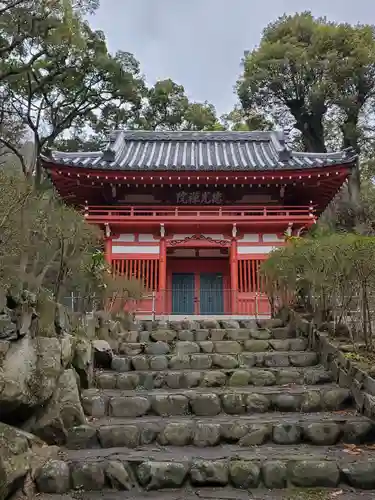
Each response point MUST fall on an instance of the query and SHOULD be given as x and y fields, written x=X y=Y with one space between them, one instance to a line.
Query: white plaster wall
x=272 y=238
x=125 y=237
x=255 y=250
x=181 y=236
x=146 y=238
x=249 y=238
x=118 y=249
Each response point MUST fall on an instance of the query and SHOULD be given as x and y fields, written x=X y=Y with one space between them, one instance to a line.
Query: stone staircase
x=214 y=404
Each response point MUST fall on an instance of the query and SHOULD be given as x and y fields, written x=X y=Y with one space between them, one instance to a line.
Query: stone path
x=193 y=406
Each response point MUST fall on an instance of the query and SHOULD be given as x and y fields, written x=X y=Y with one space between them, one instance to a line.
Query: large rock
x=62 y=412
x=22 y=455
x=30 y=370
x=83 y=361
x=102 y=354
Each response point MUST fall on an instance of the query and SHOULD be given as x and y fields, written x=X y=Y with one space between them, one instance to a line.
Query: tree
x=29 y=27
x=305 y=69
x=240 y=120
x=69 y=90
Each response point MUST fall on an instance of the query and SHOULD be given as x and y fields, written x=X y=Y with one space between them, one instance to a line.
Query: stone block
x=233 y=403
x=214 y=379
x=140 y=363
x=206 y=434
x=129 y=406
x=106 y=380
x=117 y=476
x=158 y=348
x=209 y=473
x=274 y=475
x=257 y=403
x=224 y=361
x=336 y=399
x=256 y=345
x=244 y=474
x=257 y=434
x=238 y=334
x=314 y=474
x=120 y=364
x=276 y=359
x=233 y=431
x=260 y=334
x=286 y=433
x=170 y=404
x=180 y=362
x=202 y=335
x=303 y=359
x=227 y=347
x=158 y=475
x=186 y=335
x=205 y=404
x=127 y=381
x=206 y=346
x=279 y=344
x=247 y=359
x=116 y=436
x=177 y=434
x=360 y=475
x=200 y=361
x=239 y=378
x=286 y=402
x=311 y=401
x=54 y=477
x=82 y=437
x=261 y=378
x=158 y=363
x=163 y=335
x=185 y=347
x=358 y=431
x=322 y=433
x=95 y=405
x=87 y=476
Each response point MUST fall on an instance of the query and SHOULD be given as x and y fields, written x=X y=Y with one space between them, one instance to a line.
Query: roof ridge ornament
x=114 y=145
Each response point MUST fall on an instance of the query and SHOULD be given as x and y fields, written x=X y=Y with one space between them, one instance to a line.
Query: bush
x=46 y=246
x=331 y=276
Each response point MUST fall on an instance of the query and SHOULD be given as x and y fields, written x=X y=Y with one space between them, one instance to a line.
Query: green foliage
x=240 y=120
x=49 y=249
x=308 y=72
x=333 y=276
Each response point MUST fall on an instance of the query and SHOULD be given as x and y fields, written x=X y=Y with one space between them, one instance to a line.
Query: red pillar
x=163 y=274
x=233 y=275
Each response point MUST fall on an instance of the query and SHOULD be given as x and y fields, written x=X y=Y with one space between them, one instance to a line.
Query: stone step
x=142 y=362
x=282 y=428
x=222 y=493
x=152 y=468
x=180 y=379
x=182 y=347
x=212 y=401
x=203 y=335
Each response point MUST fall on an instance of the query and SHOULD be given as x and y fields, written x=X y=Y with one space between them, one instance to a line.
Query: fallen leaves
x=335 y=494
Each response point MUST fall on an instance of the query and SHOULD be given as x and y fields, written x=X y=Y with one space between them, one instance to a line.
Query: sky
x=200 y=43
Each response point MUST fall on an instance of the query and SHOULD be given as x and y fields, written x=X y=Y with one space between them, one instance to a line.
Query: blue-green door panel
x=183 y=293
x=211 y=293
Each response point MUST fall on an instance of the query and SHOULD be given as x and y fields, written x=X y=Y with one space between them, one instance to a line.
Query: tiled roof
x=144 y=150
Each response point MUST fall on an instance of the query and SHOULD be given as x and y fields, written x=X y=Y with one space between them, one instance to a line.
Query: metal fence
x=178 y=302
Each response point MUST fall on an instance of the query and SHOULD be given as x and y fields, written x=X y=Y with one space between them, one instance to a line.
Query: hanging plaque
x=199 y=198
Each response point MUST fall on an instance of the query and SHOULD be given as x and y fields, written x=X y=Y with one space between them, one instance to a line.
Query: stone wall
x=346 y=372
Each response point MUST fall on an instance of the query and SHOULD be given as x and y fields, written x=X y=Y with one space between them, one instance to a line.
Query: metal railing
x=181 y=302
